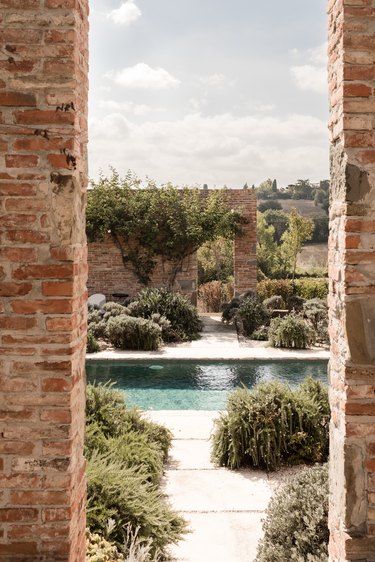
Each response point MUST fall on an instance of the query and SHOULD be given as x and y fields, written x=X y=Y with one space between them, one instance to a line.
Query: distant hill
x=305 y=207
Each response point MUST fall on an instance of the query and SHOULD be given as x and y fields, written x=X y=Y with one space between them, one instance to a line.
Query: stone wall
x=108 y=275
x=352 y=280
x=43 y=91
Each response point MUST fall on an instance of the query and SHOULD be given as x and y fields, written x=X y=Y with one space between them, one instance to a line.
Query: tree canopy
x=147 y=222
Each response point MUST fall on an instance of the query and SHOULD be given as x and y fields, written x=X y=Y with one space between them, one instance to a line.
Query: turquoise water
x=198 y=385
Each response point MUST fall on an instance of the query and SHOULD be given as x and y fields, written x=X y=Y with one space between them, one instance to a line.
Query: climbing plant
x=150 y=222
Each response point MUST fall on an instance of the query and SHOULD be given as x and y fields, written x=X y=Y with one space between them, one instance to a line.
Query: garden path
x=224 y=508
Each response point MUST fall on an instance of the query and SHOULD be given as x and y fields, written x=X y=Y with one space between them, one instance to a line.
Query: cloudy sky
x=209 y=91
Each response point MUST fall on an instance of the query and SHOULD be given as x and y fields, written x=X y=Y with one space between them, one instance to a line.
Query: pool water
x=187 y=385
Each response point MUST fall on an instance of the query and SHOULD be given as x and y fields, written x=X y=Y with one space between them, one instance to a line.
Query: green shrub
x=230 y=310
x=126 y=332
x=100 y=550
x=296 y=525
x=125 y=496
x=261 y=334
x=272 y=425
x=106 y=412
x=92 y=345
x=306 y=287
x=291 y=331
x=214 y=294
x=312 y=288
x=252 y=314
x=273 y=303
x=125 y=455
x=185 y=324
x=315 y=311
x=295 y=303
x=274 y=287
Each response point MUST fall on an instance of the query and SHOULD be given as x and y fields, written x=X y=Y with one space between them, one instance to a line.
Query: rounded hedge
x=296 y=525
x=291 y=331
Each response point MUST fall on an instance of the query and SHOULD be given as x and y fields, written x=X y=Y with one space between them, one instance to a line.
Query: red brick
x=16 y=448
x=29 y=204
x=13 y=289
x=56 y=514
x=21 y=161
x=17 y=514
x=17 y=99
x=18 y=548
x=30 y=117
x=44 y=272
x=17 y=221
x=51 y=306
x=27 y=236
x=58 y=416
x=54 y=289
x=39 y=498
x=17 y=189
x=18 y=255
x=56 y=385
x=59 y=161
x=14 y=323
x=357 y=90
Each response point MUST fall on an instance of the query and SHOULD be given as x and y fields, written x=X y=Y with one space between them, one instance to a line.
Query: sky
x=213 y=92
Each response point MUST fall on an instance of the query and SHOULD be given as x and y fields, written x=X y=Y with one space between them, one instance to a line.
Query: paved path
x=218 y=341
x=224 y=508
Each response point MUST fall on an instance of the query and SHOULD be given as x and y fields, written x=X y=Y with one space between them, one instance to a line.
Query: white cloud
x=219 y=149
x=310 y=77
x=143 y=76
x=131 y=108
x=126 y=14
x=313 y=75
x=216 y=79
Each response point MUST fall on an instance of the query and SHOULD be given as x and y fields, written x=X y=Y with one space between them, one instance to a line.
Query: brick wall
x=108 y=275
x=43 y=91
x=352 y=280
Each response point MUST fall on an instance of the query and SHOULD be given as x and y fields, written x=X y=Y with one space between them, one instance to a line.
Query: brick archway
x=43 y=93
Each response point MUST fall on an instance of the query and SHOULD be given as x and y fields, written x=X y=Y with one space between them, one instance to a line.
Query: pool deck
x=218 y=342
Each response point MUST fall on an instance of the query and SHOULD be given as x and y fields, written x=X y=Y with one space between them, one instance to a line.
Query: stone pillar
x=352 y=280
x=245 y=246
x=43 y=122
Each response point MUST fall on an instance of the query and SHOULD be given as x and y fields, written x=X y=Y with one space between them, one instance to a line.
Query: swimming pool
x=198 y=385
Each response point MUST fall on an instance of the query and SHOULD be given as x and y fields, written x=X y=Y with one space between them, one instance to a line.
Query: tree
x=216 y=261
x=277 y=219
x=156 y=222
x=300 y=229
x=264 y=191
x=268 y=252
x=271 y=204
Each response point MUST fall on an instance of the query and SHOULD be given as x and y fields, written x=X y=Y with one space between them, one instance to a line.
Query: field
x=304 y=207
x=313 y=256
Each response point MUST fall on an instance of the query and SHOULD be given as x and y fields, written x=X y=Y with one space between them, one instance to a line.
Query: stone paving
x=224 y=508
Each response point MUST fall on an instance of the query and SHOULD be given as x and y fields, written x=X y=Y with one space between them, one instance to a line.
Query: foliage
x=267 y=189
x=268 y=252
x=295 y=303
x=274 y=303
x=107 y=413
x=100 y=550
x=125 y=455
x=291 y=331
x=215 y=261
x=185 y=324
x=300 y=229
x=127 y=332
x=251 y=314
x=92 y=345
x=271 y=204
x=277 y=219
x=230 y=310
x=315 y=311
x=214 y=294
x=321 y=228
x=260 y=334
x=271 y=425
x=153 y=222
x=307 y=288
x=126 y=495
x=296 y=525
x=312 y=288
